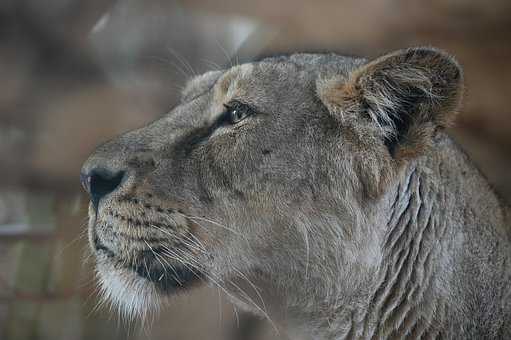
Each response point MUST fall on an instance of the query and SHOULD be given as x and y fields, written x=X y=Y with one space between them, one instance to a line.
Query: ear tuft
x=407 y=95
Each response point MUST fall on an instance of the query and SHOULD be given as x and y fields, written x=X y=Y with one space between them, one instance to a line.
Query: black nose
x=100 y=182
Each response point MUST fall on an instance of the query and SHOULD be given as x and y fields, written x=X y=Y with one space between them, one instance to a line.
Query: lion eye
x=236 y=111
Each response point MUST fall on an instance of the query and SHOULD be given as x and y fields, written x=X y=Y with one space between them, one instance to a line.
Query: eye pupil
x=237 y=112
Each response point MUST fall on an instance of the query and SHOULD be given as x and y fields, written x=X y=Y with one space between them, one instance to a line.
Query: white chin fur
x=133 y=296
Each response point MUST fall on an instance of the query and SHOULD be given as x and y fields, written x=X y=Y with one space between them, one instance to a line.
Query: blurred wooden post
x=60 y=318
x=33 y=259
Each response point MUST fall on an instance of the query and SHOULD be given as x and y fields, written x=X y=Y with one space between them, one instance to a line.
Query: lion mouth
x=167 y=277
x=152 y=266
x=149 y=241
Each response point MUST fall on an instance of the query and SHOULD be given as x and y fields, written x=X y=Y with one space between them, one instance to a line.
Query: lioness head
x=265 y=179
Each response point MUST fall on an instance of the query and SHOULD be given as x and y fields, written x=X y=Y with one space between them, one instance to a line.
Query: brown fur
x=337 y=209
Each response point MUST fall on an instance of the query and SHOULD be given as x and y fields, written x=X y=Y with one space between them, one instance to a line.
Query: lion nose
x=99 y=182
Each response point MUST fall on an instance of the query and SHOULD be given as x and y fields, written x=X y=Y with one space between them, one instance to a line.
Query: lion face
x=261 y=175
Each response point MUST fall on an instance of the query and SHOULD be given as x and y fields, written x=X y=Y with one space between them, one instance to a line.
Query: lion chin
x=139 y=291
x=133 y=296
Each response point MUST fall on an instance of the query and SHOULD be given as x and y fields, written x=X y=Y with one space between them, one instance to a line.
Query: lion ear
x=406 y=95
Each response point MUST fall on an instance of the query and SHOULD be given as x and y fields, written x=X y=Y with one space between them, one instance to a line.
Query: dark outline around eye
x=223 y=119
x=245 y=110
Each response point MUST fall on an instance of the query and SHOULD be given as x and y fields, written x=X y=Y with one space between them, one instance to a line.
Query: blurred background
x=75 y=73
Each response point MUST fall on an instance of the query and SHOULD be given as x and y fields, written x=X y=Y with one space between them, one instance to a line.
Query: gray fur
x=318 y=212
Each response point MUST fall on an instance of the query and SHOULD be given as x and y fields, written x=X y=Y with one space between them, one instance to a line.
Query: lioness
x=316 y=190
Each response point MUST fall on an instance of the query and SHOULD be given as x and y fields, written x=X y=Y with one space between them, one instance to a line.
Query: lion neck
x=446 y=267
